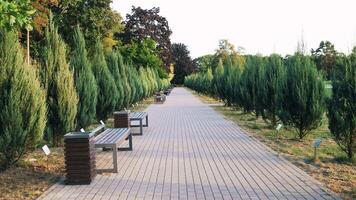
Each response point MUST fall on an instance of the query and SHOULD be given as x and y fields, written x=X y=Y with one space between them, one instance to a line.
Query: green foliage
x=271 y=85
x=251 y=84
x=203 y=63
x=113 y=65
x=201 y=82
x=107 y=91
x=142 y=53
x=325 y=58
x=85 y=82
x=131 y=81
x=218 y=81
x=342 y=107
x=15 y=14
x=124 y=80
x=183 y=63
x=96 y=18
x=22 y=102
x=303 y=95
x=58 y=82
x=147 y=23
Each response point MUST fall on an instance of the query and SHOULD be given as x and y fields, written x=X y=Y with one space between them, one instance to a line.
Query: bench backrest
x=98 y=129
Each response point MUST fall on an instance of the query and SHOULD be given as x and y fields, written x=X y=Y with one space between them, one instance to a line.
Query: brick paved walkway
x=191 y=152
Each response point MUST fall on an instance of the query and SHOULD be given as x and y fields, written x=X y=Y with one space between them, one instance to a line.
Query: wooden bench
x=160 y=98
x=139 y=116
x=111 y=138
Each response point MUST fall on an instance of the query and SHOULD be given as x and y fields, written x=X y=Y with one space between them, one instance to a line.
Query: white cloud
x=261 y=26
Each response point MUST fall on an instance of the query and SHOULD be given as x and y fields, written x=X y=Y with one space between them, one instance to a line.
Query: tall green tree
x=58 y=81
x=85 y=82
x=183 y=63
x=15 y=15
x=113 y=65
x=251 y=82
x=22 y=102
x=96 y=18
x=303 y=95
x=325 y=58
x=125 y=82
x=107 y=90
x=271 y=87
x=342 y=107
x=147 y=23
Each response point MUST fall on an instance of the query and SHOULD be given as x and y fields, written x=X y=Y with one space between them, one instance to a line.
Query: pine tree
x=342 y=107
x=125 y=83
x=113 y=65
x=271 y=87
x=303 y=95
x=58 y=81
x=85 y=82
x=107 y=91
x=22 y=102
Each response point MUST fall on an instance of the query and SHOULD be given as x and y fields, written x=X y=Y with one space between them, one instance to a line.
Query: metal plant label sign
x=279 y=126
x=317 y=142
x=46 y=150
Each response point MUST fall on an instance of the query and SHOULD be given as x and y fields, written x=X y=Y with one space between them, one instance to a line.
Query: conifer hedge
x=85 y=82
x=22 y=102
x=58 y=82
x=107 y=91
x=263 y=85
x=342 y=107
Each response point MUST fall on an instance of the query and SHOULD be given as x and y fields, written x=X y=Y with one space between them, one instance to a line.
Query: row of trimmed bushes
x=54 y=95
x=288 y=90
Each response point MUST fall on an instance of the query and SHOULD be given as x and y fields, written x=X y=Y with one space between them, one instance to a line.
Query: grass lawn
x=332 y=168
x=34 y=174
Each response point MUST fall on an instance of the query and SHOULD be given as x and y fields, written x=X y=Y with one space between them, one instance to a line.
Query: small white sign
x=125 y=109
x=101 y=122
x=82 y=130
x=46 y=150
x=279 y=126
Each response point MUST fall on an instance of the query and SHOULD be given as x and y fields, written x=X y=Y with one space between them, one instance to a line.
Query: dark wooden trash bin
x=122 y=119
x=79 y=158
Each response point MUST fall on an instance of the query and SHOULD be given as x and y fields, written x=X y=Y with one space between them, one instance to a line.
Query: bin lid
x=72 y=135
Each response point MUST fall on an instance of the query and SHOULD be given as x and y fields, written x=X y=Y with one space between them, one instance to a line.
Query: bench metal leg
x=129 y=148
x=114 y=154
x=141 y=128
x=146 y=125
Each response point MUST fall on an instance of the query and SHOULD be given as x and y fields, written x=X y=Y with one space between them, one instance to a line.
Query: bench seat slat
x=112 y=136
x=137 y=115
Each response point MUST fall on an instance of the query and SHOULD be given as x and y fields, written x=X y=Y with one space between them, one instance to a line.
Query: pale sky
x=260 y=26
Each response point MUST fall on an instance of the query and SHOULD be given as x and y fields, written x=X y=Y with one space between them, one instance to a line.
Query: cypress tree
x=58 y=81
x=124 y=79
x=22 y=102
x=342 y=107
x=218 y=80
x=271 y=87
x=107 y=91
x=303 y=95
x=113 y=65
x=85 y=82
x=144 y=80
x=131 y=81
x=138 y=83
x=251 y=83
